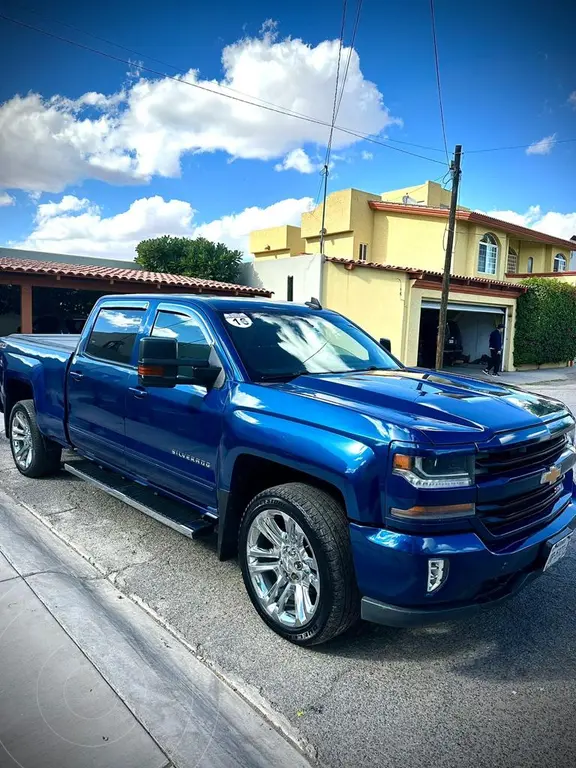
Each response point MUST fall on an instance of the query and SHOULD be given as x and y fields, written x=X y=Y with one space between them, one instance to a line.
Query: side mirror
x=386 y=344
x=159 y=364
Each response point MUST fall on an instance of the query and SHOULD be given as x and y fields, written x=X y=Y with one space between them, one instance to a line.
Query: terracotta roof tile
x=373 y=265
x=95 y=272
x=475 y=280
x=423 y=273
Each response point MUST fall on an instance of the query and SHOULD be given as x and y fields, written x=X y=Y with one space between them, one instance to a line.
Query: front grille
x=502 y=460
x=528 y=508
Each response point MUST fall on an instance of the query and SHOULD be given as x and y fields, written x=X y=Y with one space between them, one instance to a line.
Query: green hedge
x=545 y=323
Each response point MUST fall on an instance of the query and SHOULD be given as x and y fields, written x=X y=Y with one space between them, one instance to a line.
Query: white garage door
x=484 y=308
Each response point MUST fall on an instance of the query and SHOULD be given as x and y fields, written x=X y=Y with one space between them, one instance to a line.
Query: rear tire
x=296 y=560
x=33 y=454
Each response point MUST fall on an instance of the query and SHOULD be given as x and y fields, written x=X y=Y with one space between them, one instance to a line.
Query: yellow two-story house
x=383 y=261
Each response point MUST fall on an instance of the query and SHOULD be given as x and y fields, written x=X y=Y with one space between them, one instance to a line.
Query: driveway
x=499 y=690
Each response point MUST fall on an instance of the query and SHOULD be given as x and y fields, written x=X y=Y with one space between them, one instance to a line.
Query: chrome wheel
x=283 y=568
x=21 y=438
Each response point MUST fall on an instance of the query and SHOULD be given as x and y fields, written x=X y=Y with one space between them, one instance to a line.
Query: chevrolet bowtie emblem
x=551 y=475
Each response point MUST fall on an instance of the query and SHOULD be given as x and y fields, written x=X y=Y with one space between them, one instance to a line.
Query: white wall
x=273 y=274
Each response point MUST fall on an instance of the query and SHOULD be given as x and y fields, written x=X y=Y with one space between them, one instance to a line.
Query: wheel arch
x=252 y=474
x=15 y=390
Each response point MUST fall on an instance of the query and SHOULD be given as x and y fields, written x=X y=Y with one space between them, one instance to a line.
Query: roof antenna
x=313 y=303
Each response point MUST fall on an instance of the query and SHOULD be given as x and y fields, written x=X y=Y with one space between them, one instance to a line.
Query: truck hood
x=447 y=408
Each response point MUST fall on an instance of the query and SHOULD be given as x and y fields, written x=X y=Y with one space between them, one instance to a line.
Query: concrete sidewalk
x=56 y=709
x=88 y=678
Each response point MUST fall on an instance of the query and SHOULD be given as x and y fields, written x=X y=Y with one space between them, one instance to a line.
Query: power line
x=350 y=51
x=319 y=188
x=268 y=107
x=437 y=65
x=334 y=111
x=140 y=55
x=331 y=134
x=224 y=87
x=516 y=146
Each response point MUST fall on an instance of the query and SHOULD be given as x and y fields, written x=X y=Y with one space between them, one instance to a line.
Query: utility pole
x=455 y=168
x=322 y=228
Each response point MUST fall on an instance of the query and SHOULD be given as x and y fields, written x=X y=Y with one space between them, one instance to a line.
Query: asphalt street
x=498 y=690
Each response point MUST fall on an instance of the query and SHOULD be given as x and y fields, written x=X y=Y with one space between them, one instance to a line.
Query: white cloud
x=542 y=147
x=76 y=226
x=144 y=129
x=297 y=160
x=367 y=155
x=552 y=223
x=234 y=229
x=6 y=199
x=572 y=99
x=68 y=204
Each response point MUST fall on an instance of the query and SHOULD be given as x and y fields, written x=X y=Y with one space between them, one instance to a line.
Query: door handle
x=138 y=392
x=76 y=375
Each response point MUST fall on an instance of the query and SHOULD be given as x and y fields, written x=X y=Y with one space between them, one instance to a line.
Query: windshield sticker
x=238 y=319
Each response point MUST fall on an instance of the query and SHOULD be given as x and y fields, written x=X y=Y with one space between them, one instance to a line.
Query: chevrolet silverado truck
x=348 y=485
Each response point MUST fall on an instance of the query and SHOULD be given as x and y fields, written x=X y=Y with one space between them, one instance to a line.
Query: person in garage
x=495 y=343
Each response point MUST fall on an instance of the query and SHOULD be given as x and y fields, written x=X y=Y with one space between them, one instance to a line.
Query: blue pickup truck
x=348 y=485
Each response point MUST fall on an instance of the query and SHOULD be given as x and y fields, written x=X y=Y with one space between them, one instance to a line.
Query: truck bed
x=67 y=342
x=39 y=361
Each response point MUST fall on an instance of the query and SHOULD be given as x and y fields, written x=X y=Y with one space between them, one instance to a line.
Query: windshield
x=277 y=345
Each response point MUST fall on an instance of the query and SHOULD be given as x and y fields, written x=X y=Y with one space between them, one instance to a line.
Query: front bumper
x=391 y=570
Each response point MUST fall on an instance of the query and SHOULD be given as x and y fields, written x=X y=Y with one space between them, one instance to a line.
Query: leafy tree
x=545 y=322
x=196 y=258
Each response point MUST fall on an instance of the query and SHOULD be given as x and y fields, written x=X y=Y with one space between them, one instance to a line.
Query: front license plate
x=558 y=551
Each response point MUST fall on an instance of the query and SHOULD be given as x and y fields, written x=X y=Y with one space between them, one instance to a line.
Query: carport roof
x=427 y=275
x=122 y=275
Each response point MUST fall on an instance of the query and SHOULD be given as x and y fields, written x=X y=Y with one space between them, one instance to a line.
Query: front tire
x=34 y=456
x=296 y=562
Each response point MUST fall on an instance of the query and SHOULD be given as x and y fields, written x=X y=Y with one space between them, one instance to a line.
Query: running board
x=174 y=514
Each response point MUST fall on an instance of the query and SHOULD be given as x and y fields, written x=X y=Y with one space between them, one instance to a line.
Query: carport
x=469 y=328
x=55 y=297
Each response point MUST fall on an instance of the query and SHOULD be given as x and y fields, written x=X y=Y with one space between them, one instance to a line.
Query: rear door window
x=114 y=334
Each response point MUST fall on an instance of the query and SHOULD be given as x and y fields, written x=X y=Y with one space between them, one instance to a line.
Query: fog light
x=437 y=574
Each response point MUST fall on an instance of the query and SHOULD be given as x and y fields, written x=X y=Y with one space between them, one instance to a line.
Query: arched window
x=488 y=255
x=530 y=264
x=559 y=263
x=512 y=263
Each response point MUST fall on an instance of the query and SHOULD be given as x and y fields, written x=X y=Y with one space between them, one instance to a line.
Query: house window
x=488 y=255
x=512 y=263
x=363 y=252
x=530 y=265
x=559 y=263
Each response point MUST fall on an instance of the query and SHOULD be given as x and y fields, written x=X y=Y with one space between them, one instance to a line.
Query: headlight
x=444 y=471
x=571 y=435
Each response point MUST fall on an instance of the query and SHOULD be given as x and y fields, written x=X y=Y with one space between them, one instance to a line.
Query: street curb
x=250 y=694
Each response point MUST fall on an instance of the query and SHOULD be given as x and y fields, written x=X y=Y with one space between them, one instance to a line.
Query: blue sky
x=96 y=177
